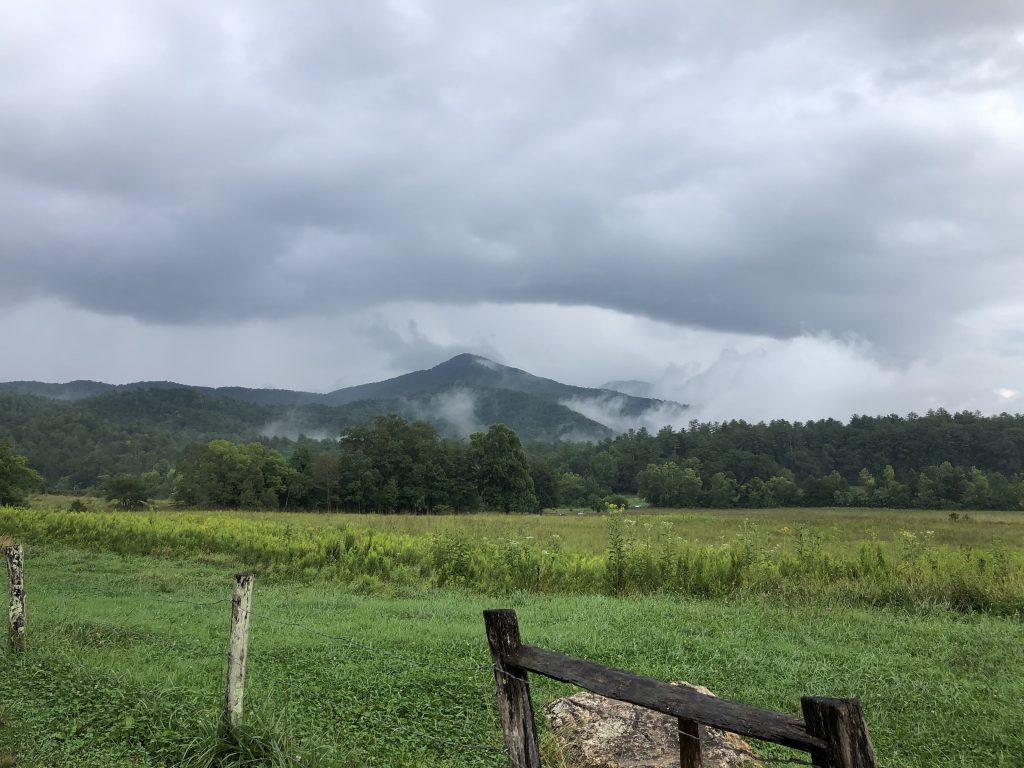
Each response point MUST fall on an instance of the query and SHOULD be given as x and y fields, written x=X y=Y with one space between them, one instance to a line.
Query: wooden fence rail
x=833 y=731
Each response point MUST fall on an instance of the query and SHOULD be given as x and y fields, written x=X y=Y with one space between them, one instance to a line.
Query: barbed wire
x=366 y=647
x=146 y=638
x=348 y=641
x=107 y=593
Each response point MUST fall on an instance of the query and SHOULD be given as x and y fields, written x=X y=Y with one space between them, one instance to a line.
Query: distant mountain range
x=80 y=428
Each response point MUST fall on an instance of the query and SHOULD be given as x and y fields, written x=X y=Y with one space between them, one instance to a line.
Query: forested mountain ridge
x=465 y=370
x=74 y=439
x=70 y=390
x=78 y=430
x=962 y=460
x=474 y=371
x=135 y=429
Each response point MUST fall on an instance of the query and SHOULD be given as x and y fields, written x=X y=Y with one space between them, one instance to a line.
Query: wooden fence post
x=514 y=703
x=691 y=752
x=16 y=581
x=840 y=722
x=238 y=649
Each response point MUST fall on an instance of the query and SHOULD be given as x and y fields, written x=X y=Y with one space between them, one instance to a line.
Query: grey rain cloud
x=792 y=168
x=414 y=350
x=705 y=196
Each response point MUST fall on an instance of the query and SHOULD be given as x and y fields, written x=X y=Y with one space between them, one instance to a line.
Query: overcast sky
x=776 y=209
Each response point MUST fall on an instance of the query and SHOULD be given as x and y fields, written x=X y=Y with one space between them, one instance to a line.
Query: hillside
x=475 y=371
x=76 y=431
x=465 y=371
x=459 y=396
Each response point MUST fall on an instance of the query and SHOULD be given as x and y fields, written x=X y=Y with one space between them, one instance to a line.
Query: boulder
x=594 y=732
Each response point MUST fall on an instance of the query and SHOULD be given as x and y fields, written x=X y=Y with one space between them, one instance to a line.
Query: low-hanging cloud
x=816 y=377
x=294 y=424
x=453 y=411
x=612 y=411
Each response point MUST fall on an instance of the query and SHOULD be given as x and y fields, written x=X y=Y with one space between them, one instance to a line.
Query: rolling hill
x=75 y=431
x=466 y=371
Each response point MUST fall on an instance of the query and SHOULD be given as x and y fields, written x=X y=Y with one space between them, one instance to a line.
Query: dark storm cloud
x=782 y=169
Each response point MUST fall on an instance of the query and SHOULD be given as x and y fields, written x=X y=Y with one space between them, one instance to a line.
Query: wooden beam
x=675 y=700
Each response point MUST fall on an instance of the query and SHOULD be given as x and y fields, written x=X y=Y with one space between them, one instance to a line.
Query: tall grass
x=641 y=558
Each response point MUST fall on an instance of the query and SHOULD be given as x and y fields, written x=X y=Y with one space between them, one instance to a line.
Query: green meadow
x=855 y=557
x=368 y=648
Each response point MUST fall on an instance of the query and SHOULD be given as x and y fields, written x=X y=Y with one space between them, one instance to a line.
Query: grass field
x=860 y=557
x=118 y=674
x=839 y=528
x=364 y=665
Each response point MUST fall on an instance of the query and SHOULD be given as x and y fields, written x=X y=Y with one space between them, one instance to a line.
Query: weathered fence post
x=691 y=753
x=16 y=581
x=840 y=722
x=238 y=649
x=514 y=703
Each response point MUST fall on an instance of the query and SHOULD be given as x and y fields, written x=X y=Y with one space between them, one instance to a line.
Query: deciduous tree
x=502 y=470
x=17 y=478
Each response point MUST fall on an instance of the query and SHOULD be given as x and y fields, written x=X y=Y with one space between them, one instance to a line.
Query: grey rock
x=594 y=732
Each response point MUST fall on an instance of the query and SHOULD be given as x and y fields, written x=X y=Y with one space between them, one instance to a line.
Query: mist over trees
x=935 y=461
x=389 y=465
x=939 y=460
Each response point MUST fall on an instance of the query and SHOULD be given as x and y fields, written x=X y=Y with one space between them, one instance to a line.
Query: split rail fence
x=832 y=731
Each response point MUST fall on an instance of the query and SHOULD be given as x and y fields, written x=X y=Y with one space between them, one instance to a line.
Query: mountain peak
x=471 y=384
x=464 y=358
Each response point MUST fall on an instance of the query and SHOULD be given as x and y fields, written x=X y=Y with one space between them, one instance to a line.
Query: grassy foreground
x=125 y=667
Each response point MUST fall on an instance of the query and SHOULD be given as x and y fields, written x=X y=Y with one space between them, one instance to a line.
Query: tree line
x=939 y=460
x=389 y=465
x=146 y=430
